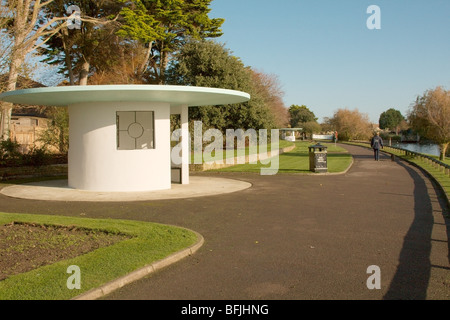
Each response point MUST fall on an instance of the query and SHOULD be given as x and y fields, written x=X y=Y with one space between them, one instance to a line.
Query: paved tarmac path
x=292 y=236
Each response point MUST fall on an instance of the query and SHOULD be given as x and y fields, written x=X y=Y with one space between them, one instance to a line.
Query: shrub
x=9 y=149
x=10 y=156
x=36 y=157
x=9 y=152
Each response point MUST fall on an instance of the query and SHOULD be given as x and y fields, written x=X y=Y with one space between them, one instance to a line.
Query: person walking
x=377 y=144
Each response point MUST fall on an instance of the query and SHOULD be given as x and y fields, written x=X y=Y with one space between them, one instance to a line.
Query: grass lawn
x=446 y=160
x=205 y=156
x=297 y=160
x=439 y=175
x=144 y=244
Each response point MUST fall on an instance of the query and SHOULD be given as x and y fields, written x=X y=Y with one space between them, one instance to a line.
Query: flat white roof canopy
x=175 y=95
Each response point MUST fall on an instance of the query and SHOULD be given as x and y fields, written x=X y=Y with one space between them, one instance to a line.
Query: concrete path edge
x=118 y=283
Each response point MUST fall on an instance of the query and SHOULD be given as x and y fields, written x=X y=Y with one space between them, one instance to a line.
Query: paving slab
x=58 y=190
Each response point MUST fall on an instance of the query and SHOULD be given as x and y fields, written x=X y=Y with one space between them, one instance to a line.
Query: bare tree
x=28 y=28
x=5 y=44
x=430 y=117
x=351 y=124
x=26 y=32
x=269 y=88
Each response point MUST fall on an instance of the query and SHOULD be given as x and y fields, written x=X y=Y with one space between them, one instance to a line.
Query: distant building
x=26 y=128
x=289 y=134
x=27 y=121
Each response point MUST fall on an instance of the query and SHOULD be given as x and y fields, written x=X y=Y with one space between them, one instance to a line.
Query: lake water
x=431 y=149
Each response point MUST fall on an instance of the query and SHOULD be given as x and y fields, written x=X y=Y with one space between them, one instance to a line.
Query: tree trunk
x=162 y=65
x=7 y=106
x=4 y=134
x=69 y=68
x=61 y=140
x=6 y=120
x=145 y=62
x=67 y=56
x=443 y=147
x=84 y=74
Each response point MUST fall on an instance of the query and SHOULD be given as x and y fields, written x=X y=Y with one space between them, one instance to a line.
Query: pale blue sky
x=325 y=57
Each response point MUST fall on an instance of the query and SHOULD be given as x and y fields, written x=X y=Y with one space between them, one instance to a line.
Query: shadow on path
x=413 y=272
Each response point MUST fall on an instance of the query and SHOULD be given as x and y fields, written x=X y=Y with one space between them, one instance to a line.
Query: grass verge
x=206 y=157
x=10 y=173
x=297 y=160
x=147 y=243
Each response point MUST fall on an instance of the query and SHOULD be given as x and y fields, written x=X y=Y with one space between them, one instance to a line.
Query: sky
x=326 y=57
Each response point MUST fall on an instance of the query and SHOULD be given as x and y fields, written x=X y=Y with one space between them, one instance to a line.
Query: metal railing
x=441 y=166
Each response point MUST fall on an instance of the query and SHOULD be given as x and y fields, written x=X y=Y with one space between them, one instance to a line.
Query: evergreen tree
x=163 y=26
x=141 y=33
x=391 y=119
x=300 y=114
x=206 y=63
x=95 y=47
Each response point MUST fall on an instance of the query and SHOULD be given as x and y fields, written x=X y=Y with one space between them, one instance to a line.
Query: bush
x=9 y=149
x=386 y=136
x=9 y=152
x=36 y=157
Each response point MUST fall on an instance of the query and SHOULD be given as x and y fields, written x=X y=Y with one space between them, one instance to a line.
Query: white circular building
x=120 y=134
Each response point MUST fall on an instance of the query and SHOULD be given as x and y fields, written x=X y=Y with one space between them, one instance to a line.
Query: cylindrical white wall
x=95 y=164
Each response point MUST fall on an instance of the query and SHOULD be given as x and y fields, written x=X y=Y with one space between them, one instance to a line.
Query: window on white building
x=135 y=130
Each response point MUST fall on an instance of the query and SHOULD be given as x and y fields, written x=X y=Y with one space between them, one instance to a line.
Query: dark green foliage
x=134 y=37
x=95 y=43
x=10 y=156
x=300 y=114
x=206 y=63
x=57 y=133
x=36 y=157
x=391 y=119
x=9 y=150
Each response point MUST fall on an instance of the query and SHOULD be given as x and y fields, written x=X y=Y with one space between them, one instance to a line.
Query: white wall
x=322 y=137
x=95 y=164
